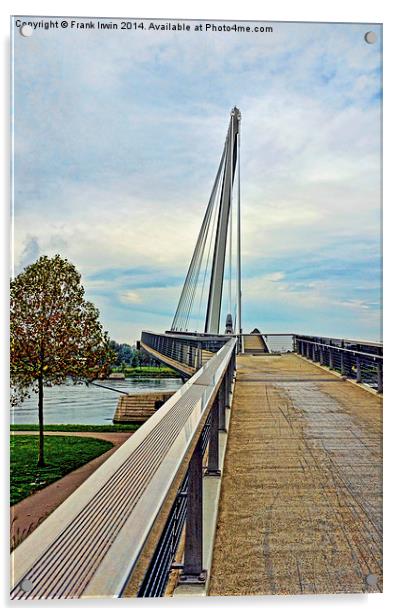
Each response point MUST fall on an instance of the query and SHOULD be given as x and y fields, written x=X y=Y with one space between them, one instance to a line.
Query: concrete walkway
x=31 y=511
x=301 y=502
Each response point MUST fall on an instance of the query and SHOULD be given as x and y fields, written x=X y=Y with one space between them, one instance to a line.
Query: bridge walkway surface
x=301 y=500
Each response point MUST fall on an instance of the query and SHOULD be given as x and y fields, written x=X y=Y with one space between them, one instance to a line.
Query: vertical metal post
x=358 y=370
x=226 y=389
x=321 y=356
x=222 y=408
x=379 y=378
x=342 y=359
x=313 y=352
x=193 y=572
x=342 y=363
x=330 y=359
x=213 y=451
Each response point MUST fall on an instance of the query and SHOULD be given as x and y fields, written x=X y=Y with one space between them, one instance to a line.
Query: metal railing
x=184 y=348
x=355 y=359
x=158 y=572
x=117 y=534
x=279 y=343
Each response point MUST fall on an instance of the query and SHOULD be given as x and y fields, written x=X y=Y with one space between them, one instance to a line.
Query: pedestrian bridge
x=260 y=475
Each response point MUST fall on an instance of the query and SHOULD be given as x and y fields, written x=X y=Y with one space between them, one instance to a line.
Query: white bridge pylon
x=212 y=243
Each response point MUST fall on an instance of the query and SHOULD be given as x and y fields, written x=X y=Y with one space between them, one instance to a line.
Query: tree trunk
x=40 y=461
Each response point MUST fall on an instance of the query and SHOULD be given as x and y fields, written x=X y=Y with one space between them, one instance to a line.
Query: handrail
x=348 y=340
x=100 y=541
x=183 y=350
x=368 y=366
x=340 y=348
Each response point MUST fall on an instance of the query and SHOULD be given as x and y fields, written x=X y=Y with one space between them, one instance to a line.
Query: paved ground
x=301 y=502
x=28 y=513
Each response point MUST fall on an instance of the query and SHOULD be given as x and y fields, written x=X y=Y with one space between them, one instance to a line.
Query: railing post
x=193 y=573
x=313 y=352
x=231 y=374
x=379 y=378
x=213 y=451
x=222 y=408
x=226 y=389
x=358 y=370
x=342 y=359
x=330 y=359
x=321 y=356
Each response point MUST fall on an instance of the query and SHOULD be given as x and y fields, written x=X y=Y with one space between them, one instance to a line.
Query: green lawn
x=162 y=371
x=62 y=454
x=76 y=428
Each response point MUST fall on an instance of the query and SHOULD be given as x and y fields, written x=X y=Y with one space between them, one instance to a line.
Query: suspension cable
x=185 y=301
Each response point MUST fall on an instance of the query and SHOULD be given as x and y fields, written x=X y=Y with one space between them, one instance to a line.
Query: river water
x=82 y=404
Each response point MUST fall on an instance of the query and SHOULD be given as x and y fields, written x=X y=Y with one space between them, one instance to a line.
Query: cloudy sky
x=117 y=139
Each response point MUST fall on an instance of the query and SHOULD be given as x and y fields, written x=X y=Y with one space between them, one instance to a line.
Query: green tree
x=123 y=353
x=54 y=333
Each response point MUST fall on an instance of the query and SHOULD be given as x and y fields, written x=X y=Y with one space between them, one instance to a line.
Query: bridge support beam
x=193 y=572
x=224 y=218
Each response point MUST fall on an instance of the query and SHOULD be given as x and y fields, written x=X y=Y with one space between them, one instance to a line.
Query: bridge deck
x=301 y=502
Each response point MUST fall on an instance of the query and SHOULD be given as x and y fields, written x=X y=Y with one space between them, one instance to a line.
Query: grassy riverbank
x=63 y=454
x=75 y=428
x=148 y=371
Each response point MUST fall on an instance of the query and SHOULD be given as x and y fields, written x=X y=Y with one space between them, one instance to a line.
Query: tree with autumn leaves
x=54 y=333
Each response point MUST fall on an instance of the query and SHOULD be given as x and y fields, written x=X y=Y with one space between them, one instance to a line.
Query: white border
x=306 y=10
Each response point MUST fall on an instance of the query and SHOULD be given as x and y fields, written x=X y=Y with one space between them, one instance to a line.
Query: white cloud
x=131 y=297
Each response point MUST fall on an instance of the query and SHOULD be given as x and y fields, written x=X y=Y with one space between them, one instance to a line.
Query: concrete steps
x=137 y=408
